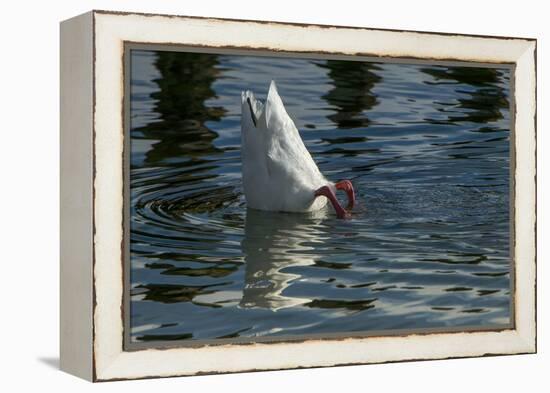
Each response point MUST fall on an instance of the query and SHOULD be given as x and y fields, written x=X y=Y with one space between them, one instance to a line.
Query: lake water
x=427 y=150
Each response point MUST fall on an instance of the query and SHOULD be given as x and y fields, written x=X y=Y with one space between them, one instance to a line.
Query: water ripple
x=427 y=149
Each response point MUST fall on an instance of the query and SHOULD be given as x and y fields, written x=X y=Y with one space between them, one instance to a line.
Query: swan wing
x=253 y=152
x=287 y=157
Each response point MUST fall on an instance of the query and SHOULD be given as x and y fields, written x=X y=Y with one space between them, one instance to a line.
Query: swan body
x=278 y=172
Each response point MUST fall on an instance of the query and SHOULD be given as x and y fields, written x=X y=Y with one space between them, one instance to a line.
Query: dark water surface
x=426 y=147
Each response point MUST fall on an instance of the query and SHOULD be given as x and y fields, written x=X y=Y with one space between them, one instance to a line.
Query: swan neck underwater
x=278 y=171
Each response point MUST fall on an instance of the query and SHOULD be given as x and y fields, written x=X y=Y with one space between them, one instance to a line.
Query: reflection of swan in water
x=272 y=243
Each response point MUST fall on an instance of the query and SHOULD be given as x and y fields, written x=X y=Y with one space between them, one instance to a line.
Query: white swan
x=278 y=171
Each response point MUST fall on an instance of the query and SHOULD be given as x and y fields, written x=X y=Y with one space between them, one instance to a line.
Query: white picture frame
x=92 y=184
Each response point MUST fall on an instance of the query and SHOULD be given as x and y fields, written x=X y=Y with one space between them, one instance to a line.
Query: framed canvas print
x=244 y=195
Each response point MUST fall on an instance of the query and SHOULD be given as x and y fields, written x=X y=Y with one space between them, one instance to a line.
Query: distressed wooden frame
x=92 y=183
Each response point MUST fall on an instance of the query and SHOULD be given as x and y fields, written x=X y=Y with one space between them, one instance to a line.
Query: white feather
x=279 y=174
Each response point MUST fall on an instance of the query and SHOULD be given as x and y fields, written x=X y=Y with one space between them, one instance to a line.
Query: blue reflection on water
x=427 y=149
